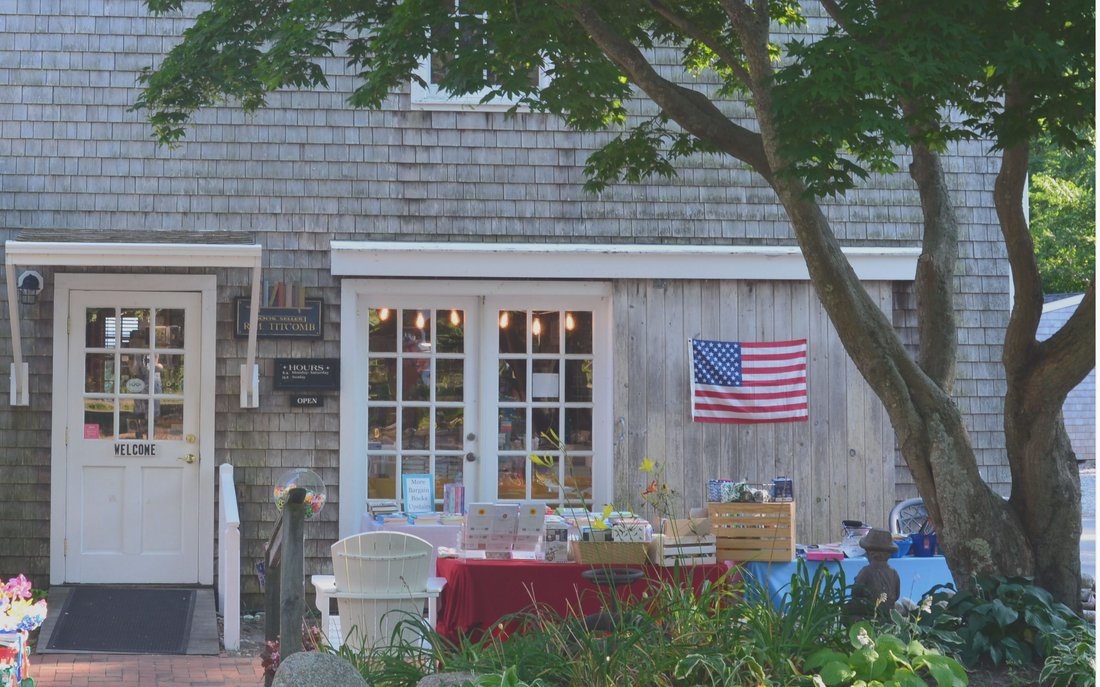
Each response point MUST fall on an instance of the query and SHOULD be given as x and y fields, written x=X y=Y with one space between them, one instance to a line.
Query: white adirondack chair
x=381 y=578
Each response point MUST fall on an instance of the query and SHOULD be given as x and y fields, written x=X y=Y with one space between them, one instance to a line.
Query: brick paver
x=91 y=670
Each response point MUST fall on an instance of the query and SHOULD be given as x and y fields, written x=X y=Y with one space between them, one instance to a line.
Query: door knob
x=470 y=457
x=189 y=458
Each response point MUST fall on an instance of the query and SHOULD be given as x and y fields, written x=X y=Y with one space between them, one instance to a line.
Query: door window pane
x=383 y=330
x=417 y=379
x=415 y=428
x=100 y=329
x=544 y=380
x=543 y=422
x=382 y=477
x=512 y=429
x=512 y=380
x=168 y=374
x=416 y=330
x=578 y=381
x=135 y=329
x=545 y=331
x=415 y=465
x=512 y=477
x=448 y=379
x=133 y=419
x=578 y=479
x=134 y=375
x=513 y=331
x=168 y=419
x=169 y=328
x=99 y=418
x=578 y=429
x=382 y=379
x=381 y=427
x=578 y=332
x=448 y=429
x=99 y=373
x=448 y=470
x=449 y=333
x=544 y=481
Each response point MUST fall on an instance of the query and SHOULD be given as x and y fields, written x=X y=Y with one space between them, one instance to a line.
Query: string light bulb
x=536 y=327
x=504 y=319
x=569 y=321
x=384 y=314
x=419 y=320
x=454 y=317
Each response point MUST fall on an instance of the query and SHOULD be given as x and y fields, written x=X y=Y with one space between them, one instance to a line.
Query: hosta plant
x=882 y=661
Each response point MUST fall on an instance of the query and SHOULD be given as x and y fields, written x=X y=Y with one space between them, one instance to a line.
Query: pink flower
x=18 y=588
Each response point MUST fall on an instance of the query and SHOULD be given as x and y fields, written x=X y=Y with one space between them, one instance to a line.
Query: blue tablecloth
x=918 y=575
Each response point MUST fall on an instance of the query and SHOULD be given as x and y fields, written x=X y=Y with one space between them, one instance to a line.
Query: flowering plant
x=18 y=612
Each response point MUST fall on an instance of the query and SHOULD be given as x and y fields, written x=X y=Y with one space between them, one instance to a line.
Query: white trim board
x=1061 y=303
x=602 y=261
x=207 y=286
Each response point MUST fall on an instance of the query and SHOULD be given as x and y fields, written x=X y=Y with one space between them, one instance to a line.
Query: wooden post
x=273 y=586
x=292 y=601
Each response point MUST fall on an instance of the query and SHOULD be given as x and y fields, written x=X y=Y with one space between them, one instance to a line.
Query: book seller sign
x=296 y=374
x=282 y=322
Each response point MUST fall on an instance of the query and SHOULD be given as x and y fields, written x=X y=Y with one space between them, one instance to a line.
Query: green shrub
x=1072 y=656
x=882 y=661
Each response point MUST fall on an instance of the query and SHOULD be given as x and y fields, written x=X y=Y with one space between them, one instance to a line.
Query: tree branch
x=727 y=58
x=833 y=10
x=1068 y=356
x=696 y=113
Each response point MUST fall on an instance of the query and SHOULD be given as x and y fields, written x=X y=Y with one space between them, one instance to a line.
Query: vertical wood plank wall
x=841 y=460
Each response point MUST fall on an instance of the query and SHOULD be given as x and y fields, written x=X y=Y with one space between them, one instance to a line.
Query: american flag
x=741 y=382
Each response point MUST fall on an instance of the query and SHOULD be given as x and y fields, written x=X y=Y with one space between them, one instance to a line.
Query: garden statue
x=878 y=579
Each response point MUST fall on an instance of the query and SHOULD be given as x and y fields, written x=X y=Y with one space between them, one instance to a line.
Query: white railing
x=229 y=559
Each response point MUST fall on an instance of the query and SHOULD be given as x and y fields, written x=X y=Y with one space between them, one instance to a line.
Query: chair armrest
x=325 y=584
x=436 y=584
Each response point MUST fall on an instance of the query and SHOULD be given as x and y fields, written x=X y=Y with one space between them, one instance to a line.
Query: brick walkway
x=85 y=670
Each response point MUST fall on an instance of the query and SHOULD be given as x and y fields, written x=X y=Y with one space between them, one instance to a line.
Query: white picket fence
x=229 y=559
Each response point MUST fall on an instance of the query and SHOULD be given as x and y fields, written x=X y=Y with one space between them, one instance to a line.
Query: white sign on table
x=419 y=493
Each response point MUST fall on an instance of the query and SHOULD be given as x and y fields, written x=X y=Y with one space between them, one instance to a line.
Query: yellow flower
x=545 y=461
x=648 y=465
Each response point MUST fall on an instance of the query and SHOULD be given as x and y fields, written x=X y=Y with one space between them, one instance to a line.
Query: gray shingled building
x=411 y=232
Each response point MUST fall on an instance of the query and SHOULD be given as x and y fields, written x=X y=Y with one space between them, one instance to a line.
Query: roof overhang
x=602 y=261
x=95 y=248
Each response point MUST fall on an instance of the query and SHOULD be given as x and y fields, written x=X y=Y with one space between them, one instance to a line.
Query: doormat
x=125 y=620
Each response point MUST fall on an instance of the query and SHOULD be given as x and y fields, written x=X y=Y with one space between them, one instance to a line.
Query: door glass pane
x=512 y=375
x=544 y=481
x=448 y=470
x=135 y=328
x=99 y=328
x=512 y=429
x=543 y=421
x=414 y=429
x=578 y=479
x=448 y=428
x=545 y=332
x=578 y=381
x=416 y=330
x=168 y=419
x=134 y=375
x=383 y=330
x=513 y=331
x=99 y=373
x=99 y=418
x=168 y=375
x=578 y=429
x=544 y=380
x=382 y=374
x=449 y=334
x=448 y=379
x=381 y=427
x=415 y=465
x=512 y=477
x=169 y=328
x=382 y=477
x=416 y=379
x=133 y=419
x=578 y=332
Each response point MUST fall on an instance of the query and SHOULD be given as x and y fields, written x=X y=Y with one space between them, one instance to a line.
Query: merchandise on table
x=556 y=545
x=529 y=529
x=475 y=536
x=502 y=528
x=454 y=499
x=423 y=519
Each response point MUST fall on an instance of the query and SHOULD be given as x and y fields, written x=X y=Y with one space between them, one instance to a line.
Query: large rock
x=316 y=669
x=445 y=680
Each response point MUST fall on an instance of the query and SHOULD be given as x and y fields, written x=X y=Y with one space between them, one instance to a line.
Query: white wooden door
x=421 y=401
x=133 y=458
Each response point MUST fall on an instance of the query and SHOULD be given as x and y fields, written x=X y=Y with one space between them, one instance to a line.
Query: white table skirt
x=436 y=535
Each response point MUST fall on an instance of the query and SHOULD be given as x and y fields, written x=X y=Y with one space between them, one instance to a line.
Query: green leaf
x=946 y=671
x=1004 y=615
x=836 y=673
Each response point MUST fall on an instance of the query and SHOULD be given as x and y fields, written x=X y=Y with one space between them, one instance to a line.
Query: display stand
x=15 y=660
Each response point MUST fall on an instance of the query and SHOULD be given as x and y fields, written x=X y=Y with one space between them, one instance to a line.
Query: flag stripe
x=746 y=382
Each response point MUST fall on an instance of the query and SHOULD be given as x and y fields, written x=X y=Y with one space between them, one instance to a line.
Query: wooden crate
x=753 y=531
x=670 y=551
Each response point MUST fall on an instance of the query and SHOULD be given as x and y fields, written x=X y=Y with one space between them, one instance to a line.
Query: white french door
x=461 y=382
x=133 y=444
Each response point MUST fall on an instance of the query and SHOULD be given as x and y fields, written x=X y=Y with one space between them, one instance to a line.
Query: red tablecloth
x=479 y=593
